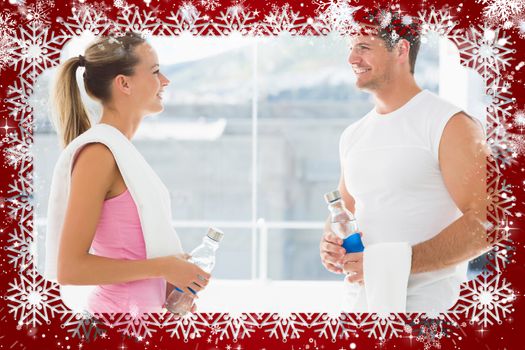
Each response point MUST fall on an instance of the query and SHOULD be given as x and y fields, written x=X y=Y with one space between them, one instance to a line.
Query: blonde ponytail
x=71 y=114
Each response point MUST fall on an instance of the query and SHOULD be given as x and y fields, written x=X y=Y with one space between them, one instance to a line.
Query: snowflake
x=284 y=326
x=134 y=20
x=133 y=324
x=500 y=143
x=430 y=336
x=184 y=20
x=435 y=24
x=332 y=326
x=519 y=120
x=38 y=13
x=501 y=201
x=382 y=327
x=502 y=10
x=16 y=100
x=487 y=299
x=7 y=47
x=283 y=19
x=483 y=49
x=37 y=50
x=86 y=19
x=190 y=326
x=210 y=5
x=339 y=14
x=235 y=19
x=520 y=25
x=501 y=255
x=19 y=203
x=32 y=299
x=234 y=326
x=82 y=325
x=7 y=24
x=21 y=250
x=502 y=102
x=18 y=155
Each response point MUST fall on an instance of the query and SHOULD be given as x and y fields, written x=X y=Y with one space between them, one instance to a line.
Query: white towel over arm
x=386 y=269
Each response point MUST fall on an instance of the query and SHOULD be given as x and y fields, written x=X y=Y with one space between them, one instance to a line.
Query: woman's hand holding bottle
x=183 y=274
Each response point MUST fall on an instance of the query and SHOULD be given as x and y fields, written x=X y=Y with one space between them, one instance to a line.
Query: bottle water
x=203 y=256
x=343 y=223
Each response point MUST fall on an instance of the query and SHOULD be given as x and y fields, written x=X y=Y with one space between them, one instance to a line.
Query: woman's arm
x=93 y=176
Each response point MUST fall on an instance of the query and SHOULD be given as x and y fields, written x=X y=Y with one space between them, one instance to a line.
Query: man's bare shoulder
x=461 y=124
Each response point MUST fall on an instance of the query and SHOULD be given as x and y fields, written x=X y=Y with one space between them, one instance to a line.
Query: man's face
x=371 y=62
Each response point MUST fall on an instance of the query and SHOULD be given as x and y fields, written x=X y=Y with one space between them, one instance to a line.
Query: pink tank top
x=119 y=236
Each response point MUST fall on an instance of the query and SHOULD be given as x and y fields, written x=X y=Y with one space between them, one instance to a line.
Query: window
x=248 y=142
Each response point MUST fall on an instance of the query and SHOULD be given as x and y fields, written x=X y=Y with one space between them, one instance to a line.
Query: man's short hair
x=391 y=26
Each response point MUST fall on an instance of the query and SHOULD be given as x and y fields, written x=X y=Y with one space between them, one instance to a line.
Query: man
x=413 y=171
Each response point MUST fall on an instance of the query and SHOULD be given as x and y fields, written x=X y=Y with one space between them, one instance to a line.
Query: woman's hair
x=104 y=60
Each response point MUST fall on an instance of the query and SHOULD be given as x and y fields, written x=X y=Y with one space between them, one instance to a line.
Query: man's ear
x=122 y=84
x=403 y=50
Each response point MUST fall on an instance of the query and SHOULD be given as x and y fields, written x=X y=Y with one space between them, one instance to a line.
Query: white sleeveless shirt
x=391 y=168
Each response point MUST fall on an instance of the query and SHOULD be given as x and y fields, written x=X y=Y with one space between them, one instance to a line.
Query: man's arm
x=463 y=157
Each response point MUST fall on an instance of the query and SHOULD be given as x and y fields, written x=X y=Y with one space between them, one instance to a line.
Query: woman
x=109 y=214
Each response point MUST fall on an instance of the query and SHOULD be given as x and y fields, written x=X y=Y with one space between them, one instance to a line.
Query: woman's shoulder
x=95 y=157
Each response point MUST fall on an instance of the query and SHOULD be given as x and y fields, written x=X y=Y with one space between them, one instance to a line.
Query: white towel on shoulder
x=149 y=193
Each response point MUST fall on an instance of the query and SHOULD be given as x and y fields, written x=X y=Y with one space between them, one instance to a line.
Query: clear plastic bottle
x=203 y=256
x=343 y=223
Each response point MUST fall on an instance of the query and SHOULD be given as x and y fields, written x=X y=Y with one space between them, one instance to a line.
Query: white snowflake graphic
x=501 y=104
x=484 y=49
x=435 y=24
x=282 y=19
x=186 y=19
x=519 y=120
x=37 y=13
x=339 y=15
x=335 y=326
x=139 y=21
x=502 y=11
x=487 y=299
x=234 y=326
x=86 y=19
x=7 y=44
x=235 y=19
x=190 y=326
x=82 y=325
x=16 y=100
x=209 y=5
x=18 y=155
x=132 y=324
x=285 y=326
x=37 y=50
x=21 y=250
x=382 y=327
x=32 y=299
x=501 y=254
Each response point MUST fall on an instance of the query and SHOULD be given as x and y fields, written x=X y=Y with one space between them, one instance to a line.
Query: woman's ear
x=122 y=84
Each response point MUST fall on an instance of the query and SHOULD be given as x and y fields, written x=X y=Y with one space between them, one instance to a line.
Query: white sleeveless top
x=391 y=168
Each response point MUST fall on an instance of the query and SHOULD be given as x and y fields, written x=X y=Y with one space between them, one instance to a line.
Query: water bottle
x=343 y=223
x=203 y=256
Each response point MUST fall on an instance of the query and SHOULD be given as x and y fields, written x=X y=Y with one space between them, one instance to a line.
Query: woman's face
x=147 y=82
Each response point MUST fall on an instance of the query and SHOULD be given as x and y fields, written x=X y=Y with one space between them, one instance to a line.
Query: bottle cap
x=215 y=234
x=332 y=196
